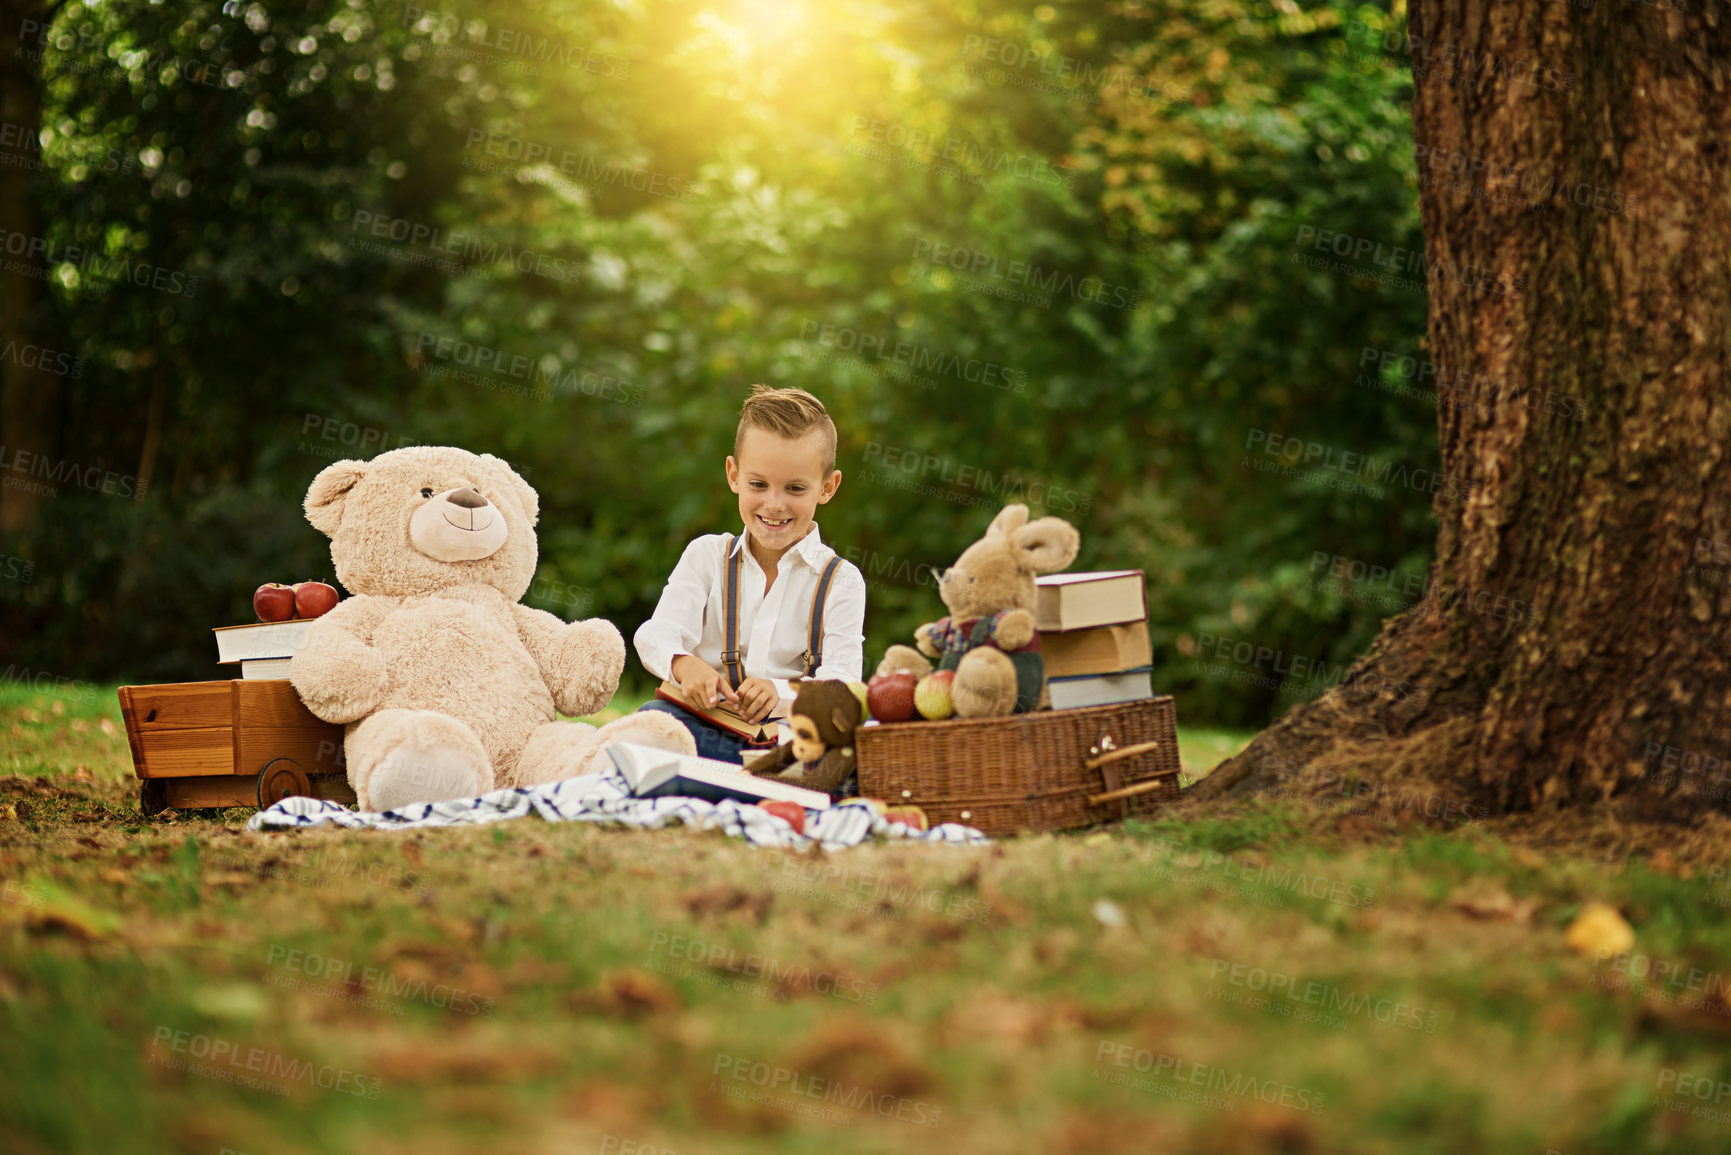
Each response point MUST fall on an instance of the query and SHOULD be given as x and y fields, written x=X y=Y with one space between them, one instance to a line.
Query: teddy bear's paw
x=647 y=728
x=898 y=658
x=985 y=684
x=1015 y=630
x=422 y=756
x=555 y=751
x=928 y=639
x=585 y=665
x=339 y=679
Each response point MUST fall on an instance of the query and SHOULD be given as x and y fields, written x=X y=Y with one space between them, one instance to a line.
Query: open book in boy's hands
x=724 y=715
x=653 y=773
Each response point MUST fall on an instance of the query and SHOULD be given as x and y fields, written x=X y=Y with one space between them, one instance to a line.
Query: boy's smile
x=780 y=482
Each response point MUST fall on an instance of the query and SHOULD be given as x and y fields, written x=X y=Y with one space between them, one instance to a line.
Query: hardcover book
x=260 y=640
x=653 y=773
x=1096 y=650
x=763 y=732
x=1101 y=689
x=1074 y=601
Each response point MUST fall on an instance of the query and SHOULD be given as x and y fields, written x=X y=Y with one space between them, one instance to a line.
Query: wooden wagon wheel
x=152 y=796
x=282 y=778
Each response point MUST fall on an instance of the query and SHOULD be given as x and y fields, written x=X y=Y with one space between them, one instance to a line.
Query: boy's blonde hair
x=790 y=413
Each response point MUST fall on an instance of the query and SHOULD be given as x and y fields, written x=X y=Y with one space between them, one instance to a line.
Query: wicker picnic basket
x=1045 y=770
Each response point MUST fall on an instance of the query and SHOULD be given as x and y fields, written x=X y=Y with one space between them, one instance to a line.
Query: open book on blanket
x=652 y=773
x=725 y=716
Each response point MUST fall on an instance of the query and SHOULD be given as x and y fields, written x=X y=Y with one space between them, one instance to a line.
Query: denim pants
x=712 y=740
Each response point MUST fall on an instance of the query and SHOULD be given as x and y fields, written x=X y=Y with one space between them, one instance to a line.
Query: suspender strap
x=813 y=656
x=734 y=668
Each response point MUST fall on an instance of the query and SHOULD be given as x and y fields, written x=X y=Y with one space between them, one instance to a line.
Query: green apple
x=859 y=691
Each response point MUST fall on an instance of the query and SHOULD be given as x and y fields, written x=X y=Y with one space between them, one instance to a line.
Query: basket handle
x=1139 y=788
x=1120 y=754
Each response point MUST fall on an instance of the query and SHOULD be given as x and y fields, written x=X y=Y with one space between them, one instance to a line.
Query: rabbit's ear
x=1009 y=519
x=1046 y=545
x=329 y=490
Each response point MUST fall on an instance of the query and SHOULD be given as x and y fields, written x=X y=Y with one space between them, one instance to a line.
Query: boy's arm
x=677 y=624
x=844 y=627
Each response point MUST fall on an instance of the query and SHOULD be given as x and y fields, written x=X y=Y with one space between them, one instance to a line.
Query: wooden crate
x=229 y=743
x=1043 y=770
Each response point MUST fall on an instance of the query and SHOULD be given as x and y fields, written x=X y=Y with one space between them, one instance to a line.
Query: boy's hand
x=700 y=683
x=757 y=697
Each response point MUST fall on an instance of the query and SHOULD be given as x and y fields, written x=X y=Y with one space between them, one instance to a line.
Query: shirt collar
x=809 y=549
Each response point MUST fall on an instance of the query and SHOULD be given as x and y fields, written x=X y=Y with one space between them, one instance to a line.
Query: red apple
x=911 y=816
x=314 y=599
x=790 y=812
x=932 y=695
x=273 y=602
x=890 y=697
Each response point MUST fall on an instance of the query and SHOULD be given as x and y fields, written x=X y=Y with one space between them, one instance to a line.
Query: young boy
x=782 y=468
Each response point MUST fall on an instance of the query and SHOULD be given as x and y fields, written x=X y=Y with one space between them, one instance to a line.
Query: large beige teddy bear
x=446 y=684
x=989 y=638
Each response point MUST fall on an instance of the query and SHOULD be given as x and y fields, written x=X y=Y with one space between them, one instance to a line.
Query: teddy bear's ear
x=1009 y=519
x=1046 y=545
x=328 y=492
x=525 y=492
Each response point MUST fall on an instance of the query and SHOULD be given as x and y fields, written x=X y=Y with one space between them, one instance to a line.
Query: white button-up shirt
x=773 y=626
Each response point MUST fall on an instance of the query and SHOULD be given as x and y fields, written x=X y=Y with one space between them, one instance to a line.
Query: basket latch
x=1104 y=756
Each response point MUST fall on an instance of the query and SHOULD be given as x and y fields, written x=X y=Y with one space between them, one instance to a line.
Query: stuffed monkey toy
x=820 y=756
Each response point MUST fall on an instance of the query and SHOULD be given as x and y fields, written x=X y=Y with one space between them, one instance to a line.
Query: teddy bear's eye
x=427 y=491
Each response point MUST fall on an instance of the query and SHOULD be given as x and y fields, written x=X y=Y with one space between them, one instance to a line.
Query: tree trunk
x=1576 y=645
x=30 y=397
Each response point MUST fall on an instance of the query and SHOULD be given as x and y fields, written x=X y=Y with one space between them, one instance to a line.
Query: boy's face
x=780 y=482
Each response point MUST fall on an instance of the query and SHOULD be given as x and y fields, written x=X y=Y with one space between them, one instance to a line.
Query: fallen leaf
x=17 y=782
x=1496 y=905
x=464 y=1059
x=1599 y=931
x=1710 y=1015
x=65 y=913
x=1109 y=913
x=858 y=1054
x=239 y=1001
x=999 y=1018
x=629 y=993
x=610 y=1106
x=725 y=900
x=229 y=877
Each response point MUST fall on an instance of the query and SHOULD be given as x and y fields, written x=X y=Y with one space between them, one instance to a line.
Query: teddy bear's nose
x=467 y=499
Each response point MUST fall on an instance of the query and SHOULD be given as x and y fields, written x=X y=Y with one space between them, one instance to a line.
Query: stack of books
x=1094 y=637
x=263 y=649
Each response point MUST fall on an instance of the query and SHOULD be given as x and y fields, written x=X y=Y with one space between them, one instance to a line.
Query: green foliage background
x=1172 y=151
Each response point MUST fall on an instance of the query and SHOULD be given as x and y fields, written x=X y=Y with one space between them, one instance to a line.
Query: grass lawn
x=1255 y=979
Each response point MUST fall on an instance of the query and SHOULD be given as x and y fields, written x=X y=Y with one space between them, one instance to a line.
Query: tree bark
x=1575 y=645
x=30 y=398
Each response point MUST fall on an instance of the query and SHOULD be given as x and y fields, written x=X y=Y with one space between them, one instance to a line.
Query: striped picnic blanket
x=605 y=798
